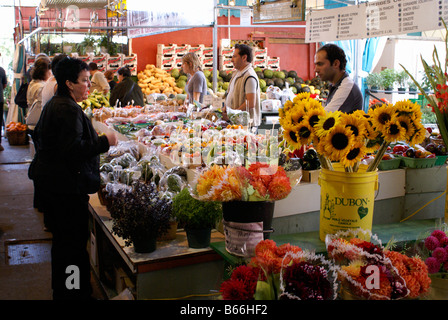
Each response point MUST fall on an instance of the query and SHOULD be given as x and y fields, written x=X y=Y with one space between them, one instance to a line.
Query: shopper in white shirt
x=50 y=87
x=98 y=80
x=244 y=91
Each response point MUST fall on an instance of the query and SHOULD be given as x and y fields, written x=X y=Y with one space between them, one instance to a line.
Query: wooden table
x=173 y=270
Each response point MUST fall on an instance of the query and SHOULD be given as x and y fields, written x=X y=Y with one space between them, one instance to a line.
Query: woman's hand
x=111 y=138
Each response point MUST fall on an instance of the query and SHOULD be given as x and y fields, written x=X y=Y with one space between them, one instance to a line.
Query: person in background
x=3 y=83
x=244 y=92
x=109 y=74
x=196 y=86
x=98 y=80
x=344 y=94
x=51 y=85
x=40 y=73
x=39 y=56
x=126 y=91
x=66 y=168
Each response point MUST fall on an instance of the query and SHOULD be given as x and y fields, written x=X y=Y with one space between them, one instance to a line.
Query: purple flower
x=433 y=265
x=431 y=243
x=439 y=234
x=440 y=254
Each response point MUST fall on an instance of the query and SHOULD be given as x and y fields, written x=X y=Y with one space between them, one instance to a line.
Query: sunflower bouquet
x=347 y=138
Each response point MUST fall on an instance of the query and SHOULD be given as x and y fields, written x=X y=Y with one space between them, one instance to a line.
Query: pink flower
x=445 y=266
x=440 y=254
x=439 y=234
x=431 y=243
x=433 y=265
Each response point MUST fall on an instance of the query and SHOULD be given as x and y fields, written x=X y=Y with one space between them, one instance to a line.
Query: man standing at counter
x=344 y=93
x=244 y=90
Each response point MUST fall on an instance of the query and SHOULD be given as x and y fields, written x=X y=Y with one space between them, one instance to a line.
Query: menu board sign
x=375 y=19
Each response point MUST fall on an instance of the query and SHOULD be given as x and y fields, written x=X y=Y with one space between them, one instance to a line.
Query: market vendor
x=98 y=80
x=66 y=170
x=244 y=91
x=126 y=91
x=344 y=94
x=196 y=87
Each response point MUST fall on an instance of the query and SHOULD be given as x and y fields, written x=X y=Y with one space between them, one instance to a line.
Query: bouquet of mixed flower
x=257 y=182
x=347 y=138
x=369 y=271
x=437 y=75
x=281 y=272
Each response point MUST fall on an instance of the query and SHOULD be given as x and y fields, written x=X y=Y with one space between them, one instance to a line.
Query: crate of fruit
x=441 y=160
x=417 y=163
x=16 y=133
x=389 y=164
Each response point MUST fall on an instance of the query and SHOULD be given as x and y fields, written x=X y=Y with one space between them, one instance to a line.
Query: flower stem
x=378 y=157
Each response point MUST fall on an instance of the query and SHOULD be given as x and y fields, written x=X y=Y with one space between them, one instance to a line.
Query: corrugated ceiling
x=79 y=3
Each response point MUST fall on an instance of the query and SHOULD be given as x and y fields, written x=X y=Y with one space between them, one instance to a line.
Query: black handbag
x=20 y=98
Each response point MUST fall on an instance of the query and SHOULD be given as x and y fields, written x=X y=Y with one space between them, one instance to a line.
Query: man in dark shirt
x=344 y=93
x=126 y=92
x=3 y=83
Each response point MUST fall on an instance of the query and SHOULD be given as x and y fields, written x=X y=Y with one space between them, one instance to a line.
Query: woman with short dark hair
x=65 y=170
x=126 y=92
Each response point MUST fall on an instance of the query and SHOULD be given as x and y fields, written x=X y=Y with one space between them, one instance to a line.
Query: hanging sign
x=375 y=19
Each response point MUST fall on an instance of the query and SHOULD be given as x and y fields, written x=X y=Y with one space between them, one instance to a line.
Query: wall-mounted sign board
x=375 y=19
x=279 y=11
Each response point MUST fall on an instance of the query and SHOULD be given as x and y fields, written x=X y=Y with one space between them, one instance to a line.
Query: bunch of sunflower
x=347 y=138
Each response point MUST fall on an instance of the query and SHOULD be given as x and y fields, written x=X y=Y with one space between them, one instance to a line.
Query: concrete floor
x=19 y=221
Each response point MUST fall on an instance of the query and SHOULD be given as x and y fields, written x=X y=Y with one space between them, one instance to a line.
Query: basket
x=389 y=164
x=17 y=138
x=440 y=160
x=417 y=163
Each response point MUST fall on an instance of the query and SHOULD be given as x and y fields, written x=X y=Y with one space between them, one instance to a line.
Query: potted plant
x=87 y=45
x=412 y=87
x=139 y=215
x=402 y=79
x=197 y=217
x=373 y=81
x=388 y=79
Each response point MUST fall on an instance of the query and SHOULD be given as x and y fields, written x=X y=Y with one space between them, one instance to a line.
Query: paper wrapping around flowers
x=257 y=182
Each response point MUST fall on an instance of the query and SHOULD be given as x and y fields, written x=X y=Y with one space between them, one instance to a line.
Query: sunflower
x=409 y=108
x=312 y=117
x=406 y=123
x=292 y=117
x=301 y=96
x=338 y=142
x=393 y=131
x=326 y=123
x=312 y=104
x=419 y=134
x=304 y=133
x=354 y=155
x=381 y=115
x=290 y=135
x=356 y=124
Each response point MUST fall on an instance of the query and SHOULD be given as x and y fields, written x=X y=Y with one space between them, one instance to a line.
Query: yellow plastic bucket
x=346 y=199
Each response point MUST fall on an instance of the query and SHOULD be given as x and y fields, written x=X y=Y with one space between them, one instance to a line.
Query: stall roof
x=79 y=3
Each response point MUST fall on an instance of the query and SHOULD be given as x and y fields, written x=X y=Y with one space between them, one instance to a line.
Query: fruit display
x=156 y=80
x=16 y=127
x=95 y=100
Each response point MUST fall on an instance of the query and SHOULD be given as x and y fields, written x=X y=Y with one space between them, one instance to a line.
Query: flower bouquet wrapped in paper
x=368 y=271
x=281 y=272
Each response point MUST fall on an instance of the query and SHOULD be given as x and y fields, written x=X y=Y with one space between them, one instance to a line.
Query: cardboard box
x=197 y=49
x=310 y=176
x=207 y=62
x=164 y=61
x=182 y=49
x=226 y=52
x=166 y=50
x=114 y=63
x=225 y=63
x=207 y=51
x=260 y=53
x=260 y=63
x=129 y=59
x=273 y=63
x=87 y=59
x=100 y=60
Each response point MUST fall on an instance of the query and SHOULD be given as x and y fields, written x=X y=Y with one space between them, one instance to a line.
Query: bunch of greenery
x=139 y=211
x=195 y=214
